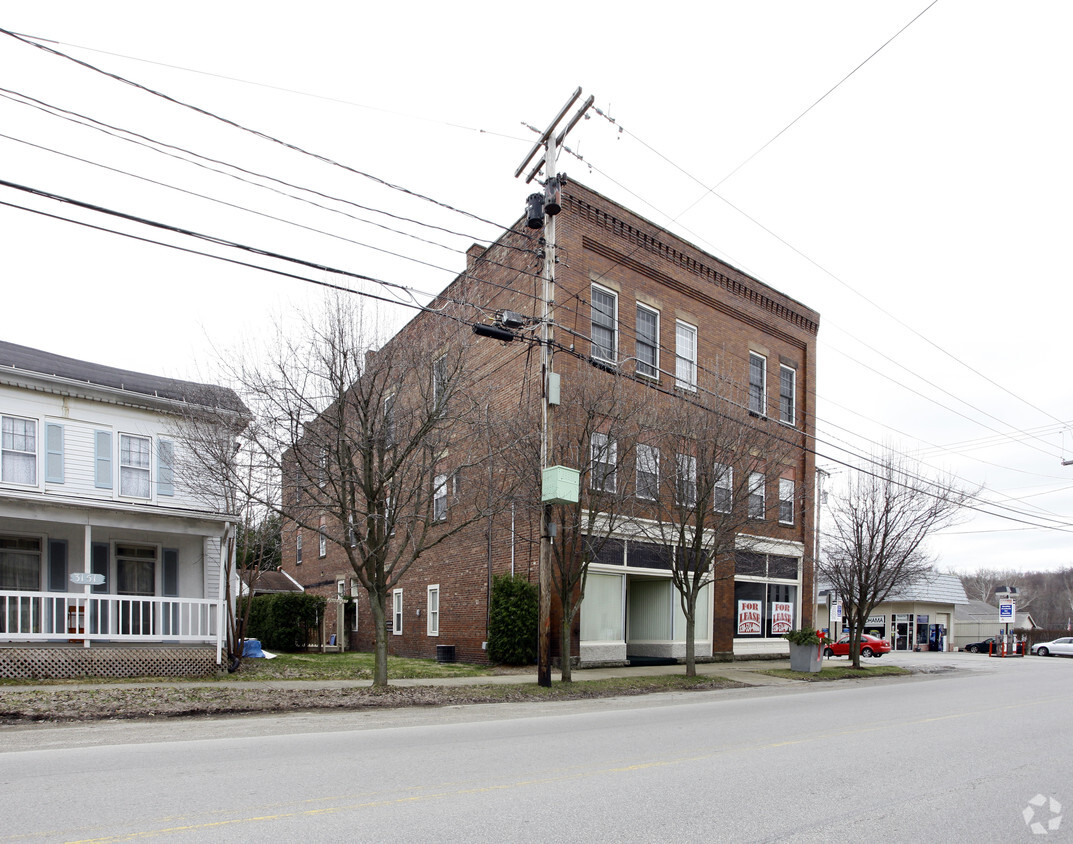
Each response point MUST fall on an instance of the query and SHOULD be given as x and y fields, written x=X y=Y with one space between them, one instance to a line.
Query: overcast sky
x=901 y=167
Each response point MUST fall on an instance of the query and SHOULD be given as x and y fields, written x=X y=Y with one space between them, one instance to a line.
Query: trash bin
x=445 y=653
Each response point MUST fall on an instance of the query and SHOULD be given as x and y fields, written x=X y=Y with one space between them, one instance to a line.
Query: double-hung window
x=756 y=495
x=396 y=612
x=786 y=501
x=298 y=548
x=723 y=488
x=604 y=460
x=685 y=492
x=757 y=384
x=18 y=450
x=604 y=324
x=787 y=393
x=322 y=538
x=439 y=498
x=647 y=472
x=432 y=615
x=685 y=356
x=647 y=348
x=134 y=463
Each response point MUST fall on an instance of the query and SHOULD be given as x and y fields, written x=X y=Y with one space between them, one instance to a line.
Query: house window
x=786 y=501
x=134 y=466
x=685 y=356
x=298 y=548
x=135 y=570
x=354 y=592
x=433 y=612
x=396 y=606
x=604 y=323
x=18 y=450
x=787 y=392
x=723 y=489
x=756 y=495
x=322 y=467
x=322 y=538
x=685 y=491
x=439 y=498
x=20 y=563
x=757 y=384
x=647 y=348
x=647 y=472
x=604 y=458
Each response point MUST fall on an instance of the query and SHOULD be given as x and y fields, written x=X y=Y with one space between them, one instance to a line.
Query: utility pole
x=551 y=146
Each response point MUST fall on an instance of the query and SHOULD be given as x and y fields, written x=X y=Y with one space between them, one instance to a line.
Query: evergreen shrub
x=512 y=628
x=285 y=622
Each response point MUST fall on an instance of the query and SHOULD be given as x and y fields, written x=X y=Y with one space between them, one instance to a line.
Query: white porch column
x=87 y=566
x=221 y=599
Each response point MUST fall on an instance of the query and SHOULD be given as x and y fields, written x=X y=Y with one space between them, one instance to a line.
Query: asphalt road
x=956 y=755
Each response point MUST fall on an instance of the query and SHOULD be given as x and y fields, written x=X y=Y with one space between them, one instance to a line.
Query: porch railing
x=77 y=617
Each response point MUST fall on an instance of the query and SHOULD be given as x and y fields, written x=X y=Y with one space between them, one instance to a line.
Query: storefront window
x=601 y=612
x=749 y=609
x=779 y=610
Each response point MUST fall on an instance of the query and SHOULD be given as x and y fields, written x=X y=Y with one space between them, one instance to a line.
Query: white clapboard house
x=110 y=558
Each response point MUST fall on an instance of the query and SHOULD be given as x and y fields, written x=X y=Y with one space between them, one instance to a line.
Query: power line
x=281 y=88
x=255 y=132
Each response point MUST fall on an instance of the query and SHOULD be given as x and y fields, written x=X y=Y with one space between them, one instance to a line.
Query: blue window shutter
x=102 y=459
x=99 y=565
x=165 y=467
x=170 y=573
x=57 y=565
x=53 y=453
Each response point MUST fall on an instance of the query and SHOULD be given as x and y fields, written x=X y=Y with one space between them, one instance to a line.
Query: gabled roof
x=266 y=582
x=25 y=359
x=935 y=588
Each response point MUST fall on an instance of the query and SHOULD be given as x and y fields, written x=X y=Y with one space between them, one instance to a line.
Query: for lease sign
x=782 y=617
x=749 y=618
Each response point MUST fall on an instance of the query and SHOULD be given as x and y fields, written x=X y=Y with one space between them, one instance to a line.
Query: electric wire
x=255 y=132
x=281 y=88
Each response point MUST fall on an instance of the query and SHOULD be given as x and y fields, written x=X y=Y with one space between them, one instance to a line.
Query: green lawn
x=351 y=665
x=838 y=672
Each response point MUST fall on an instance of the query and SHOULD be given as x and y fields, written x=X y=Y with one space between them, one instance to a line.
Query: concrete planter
x=805 y=658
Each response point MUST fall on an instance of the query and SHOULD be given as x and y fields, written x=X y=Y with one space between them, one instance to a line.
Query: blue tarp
x=252 y=649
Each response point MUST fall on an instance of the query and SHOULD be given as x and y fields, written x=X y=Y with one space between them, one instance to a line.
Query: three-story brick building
x=632 y=301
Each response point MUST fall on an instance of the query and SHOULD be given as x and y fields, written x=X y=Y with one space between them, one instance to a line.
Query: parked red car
x=870 y=646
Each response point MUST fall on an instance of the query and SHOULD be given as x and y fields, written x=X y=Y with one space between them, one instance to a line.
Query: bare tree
x=596 y=427
x=878 y=526
x=212 y=464
x=704 y=472
x=374 y=445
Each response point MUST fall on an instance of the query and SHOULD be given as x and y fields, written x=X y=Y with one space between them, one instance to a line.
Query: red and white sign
x=749 y=618
x=782 y=617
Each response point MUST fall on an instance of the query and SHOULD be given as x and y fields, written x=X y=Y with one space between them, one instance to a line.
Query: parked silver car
x=1057 y=647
